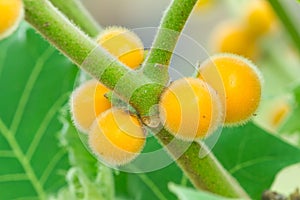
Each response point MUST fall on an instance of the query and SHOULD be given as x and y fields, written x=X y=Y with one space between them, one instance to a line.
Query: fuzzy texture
x=123 y=44
x=166 y=38
x=116 y=137
x=87 y=102
x=76 y=12
x=204 y=173
x=190 y=109
x=237 y=81
x=87 y=54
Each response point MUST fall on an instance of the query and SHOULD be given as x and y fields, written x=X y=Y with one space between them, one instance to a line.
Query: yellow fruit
x=116 y=137
x=123 y=44
x=203 y=4
x=237 y=81
x=260 y=17
x=279 y=113
x=190 y=109
x=11 y=13
x=230 y=37
x=87 y=102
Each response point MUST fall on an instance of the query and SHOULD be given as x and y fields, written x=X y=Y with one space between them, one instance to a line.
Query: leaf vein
x=7 y=154
x=250 y=163
x=46 y=121
x=13 y=177
x=22 y=159
x=151 y=185
x=28 y=89
x=57 y=157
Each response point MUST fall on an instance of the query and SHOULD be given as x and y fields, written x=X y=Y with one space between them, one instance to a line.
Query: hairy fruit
x=238 y=82
x=190 y=109
x=87 y=102
x=124 y=45
x=116 y=137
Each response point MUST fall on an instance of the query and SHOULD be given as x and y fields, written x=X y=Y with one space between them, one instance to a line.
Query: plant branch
x=87 y=54
x=204 y=173
x=77 y=13
x=166 y=38
x=58 y=30
x=288 y=23
x=133 y=86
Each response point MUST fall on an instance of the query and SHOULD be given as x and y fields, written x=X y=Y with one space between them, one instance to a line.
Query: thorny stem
x=206 y=173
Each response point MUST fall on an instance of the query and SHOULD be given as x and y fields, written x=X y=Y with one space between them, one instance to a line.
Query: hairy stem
x=133 y=86
x=58 y=30
x=288 y=23
x=77 y=13
x=166 y=38
x=204 y=173
x=77 y=46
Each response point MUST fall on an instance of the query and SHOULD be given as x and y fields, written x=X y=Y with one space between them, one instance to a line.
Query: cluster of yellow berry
x=10 y=17
x=115 y=135
x=226 y=91
x=241 y=37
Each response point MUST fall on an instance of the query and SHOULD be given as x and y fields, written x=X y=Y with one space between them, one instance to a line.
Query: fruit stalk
x=166 y=38
x=77 y=13
x=204 y=173
x=88 y=55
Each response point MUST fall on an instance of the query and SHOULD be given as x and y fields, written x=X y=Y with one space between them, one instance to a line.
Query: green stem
x=288 y=23
x=133 y=86
x=77 y=13
x=166 y=38
x=58 y=30
x=204 y=173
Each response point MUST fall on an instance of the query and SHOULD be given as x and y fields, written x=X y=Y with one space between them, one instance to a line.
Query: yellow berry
x=123 y=44
x=230 y=37
x=260 y=17
x=280 y=111
x=116 y=137
x=203 y=4
x=238 y=82
x=87 y=102
x=190 y=109
x=10 y=17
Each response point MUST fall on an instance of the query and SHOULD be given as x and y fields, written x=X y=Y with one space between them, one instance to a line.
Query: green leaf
x=148 y=186
x=254 y=157
x=292 y=124
x=184 y=193
x=151 y=185
x=87 y=179
x=78 y=154
x=35 y=81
